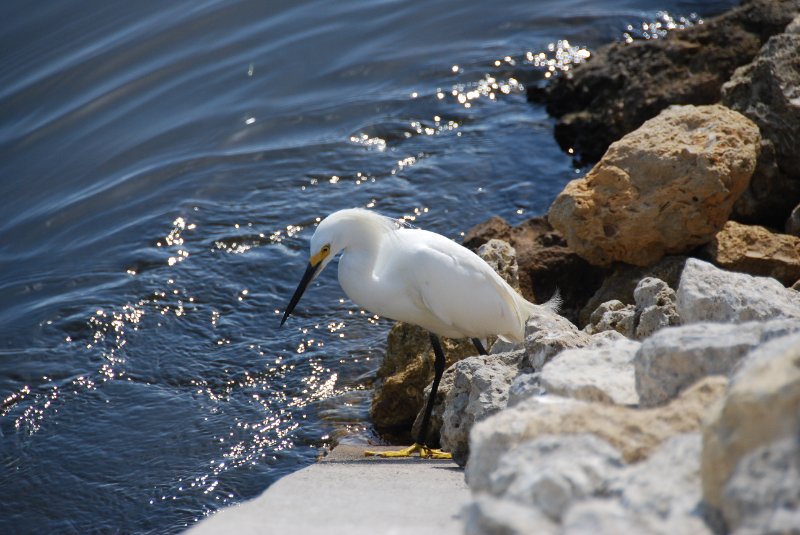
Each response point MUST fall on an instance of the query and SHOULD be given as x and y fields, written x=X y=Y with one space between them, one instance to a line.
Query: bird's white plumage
x=419 y=277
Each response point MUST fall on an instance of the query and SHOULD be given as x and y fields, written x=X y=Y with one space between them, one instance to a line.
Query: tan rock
x=664 y=188
x=755 y=250
x=634 y=432
x=405 y=372
x=761 y=406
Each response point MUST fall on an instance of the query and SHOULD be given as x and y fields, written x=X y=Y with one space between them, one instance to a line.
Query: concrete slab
x=349 y=493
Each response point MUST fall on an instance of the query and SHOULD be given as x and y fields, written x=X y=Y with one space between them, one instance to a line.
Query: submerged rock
x=663 y=189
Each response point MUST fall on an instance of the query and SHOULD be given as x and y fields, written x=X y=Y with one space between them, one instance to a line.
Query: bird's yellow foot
x=423 y=451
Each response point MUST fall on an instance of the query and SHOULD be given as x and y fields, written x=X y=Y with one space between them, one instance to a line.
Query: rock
x=757 y=251
x=766 y=91
x=545 y=261
x=763 y=493
x=523 y=386
x=551 y=472
x=792 y=225
x=546 y=335
x=613 y=316
x=673 y=359
x=794 y=26
x=599 y=372
x=623 y=85
x=760 y=407
x=707 y=293
x=493 y=516
x=406 y=370
x=503 y=259
x=480 y=388
x=656 y=307
x=666 y=486
x=609 y=517
x=634 y=432
x=664 y=188
x=622 y=281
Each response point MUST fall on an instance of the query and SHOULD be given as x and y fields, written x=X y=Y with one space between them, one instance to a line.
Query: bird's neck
x=359 y=267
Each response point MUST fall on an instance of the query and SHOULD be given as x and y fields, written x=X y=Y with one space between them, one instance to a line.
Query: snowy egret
x=418 y=277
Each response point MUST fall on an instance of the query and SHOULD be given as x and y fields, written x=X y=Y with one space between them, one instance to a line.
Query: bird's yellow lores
x=418 y=277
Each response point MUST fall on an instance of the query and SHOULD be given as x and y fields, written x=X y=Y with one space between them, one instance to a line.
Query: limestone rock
x=524 y=386
x=635 y=433
x=763 y=493
x=599 y=372
x=547 y=334
x=545 y=261
x=613 y=316
x=666 y=486
x=755 y=250
x=503 y=259
x=622 y=281
x=656 y=307
x=768 y=92
x=664 y=188
x=551 y=472
x=707 y=293
x=673 y=359
x=480 y=388
x=760 y=407
x=622 y=85
x=493 y=516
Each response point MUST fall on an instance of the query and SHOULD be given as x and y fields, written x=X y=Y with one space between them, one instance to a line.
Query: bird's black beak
x=308 y=276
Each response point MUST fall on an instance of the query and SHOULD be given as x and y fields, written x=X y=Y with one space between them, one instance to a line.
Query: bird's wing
x=458 y=288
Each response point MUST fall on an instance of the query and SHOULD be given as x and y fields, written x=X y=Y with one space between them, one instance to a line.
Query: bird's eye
x=326 y=249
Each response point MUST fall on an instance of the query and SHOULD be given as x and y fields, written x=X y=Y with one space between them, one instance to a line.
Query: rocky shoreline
x=666 y=397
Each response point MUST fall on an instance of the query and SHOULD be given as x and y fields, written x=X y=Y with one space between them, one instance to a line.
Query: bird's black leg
x=420 y=447
x=438 y=370
x=479 y=346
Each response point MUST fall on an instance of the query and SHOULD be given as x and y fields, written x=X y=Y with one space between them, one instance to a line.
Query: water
x=162 y=166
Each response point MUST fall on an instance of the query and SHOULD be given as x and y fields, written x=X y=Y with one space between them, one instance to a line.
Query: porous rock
x=767 y=90
x=763 y=493
x=673 y=359
x=755 y=250
x=620 y=284
x=601 y=372
x=707 y=293
x=502 y=258
x=405 y=372
x=635 y=433
x=547 y=334
x=488 y=515
x=662 y=189
x=656 y=307
x=480 y=389
x=613 y=316
x=761 y=406
x=623 y=85
x=551 y=472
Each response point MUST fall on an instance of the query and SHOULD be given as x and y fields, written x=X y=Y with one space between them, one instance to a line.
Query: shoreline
x=666 y=400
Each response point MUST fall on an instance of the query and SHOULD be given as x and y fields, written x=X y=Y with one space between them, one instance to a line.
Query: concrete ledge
x=349 y=493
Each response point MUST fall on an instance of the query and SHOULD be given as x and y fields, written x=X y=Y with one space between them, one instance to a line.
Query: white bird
x=418 y=277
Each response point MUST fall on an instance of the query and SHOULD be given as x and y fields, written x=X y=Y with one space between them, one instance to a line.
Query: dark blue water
x=162 y=165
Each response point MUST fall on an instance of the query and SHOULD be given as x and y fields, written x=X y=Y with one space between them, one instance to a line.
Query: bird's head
x=325 y=245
